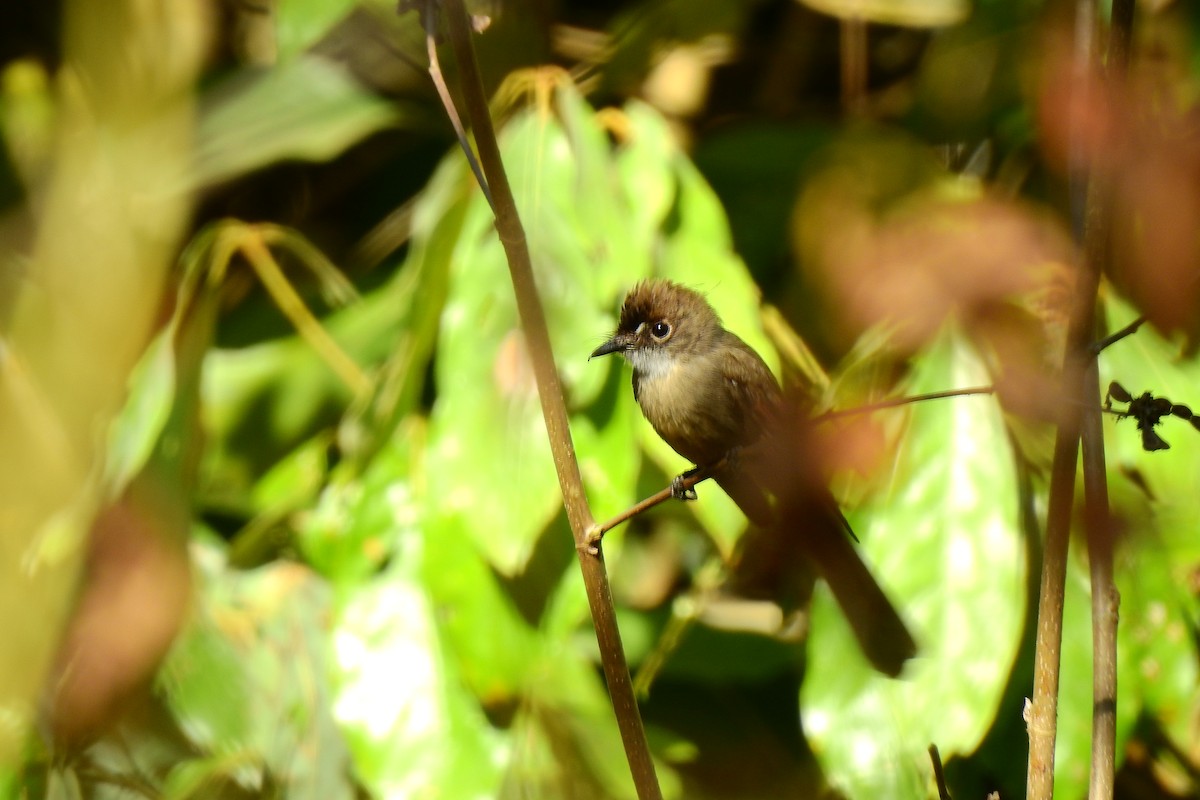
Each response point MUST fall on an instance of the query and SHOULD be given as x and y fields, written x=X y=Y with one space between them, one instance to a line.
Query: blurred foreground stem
x=106 y=223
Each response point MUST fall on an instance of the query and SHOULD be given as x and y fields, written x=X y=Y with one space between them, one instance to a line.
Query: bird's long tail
x=775 y=564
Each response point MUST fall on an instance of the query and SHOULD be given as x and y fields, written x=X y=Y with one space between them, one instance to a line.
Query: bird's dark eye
x=660 y=330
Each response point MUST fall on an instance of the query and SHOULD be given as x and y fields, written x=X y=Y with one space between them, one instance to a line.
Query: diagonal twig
x=1117 y=336
x=902 y=401
x=428 y=19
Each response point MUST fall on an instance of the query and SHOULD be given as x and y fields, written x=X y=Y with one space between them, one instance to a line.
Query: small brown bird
x=713 y=399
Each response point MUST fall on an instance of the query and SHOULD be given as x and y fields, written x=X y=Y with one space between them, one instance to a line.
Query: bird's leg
x=682 y=485
x=681 y=492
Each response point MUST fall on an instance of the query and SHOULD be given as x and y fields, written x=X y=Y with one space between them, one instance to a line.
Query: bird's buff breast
x=686 y=411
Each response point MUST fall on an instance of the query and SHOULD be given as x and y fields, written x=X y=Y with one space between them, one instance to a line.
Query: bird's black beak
x=617 y=342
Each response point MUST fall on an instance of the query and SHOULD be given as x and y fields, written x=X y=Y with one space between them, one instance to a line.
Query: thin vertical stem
x=1105 y=598
x=537 y=338
x=1091 y=190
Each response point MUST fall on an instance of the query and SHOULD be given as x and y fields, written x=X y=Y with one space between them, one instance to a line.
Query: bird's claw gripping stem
x=681 y=492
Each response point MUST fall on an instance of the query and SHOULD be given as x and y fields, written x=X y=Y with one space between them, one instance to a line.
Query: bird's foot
x=681 y=492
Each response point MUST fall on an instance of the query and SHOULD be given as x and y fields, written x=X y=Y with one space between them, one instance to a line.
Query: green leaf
x=196 y=777
x=247 y=681
x=1154 y=497
x=1147 y=362
x=413 y=303
x=412 y=728
x=484 y=632
x=135 y=431
x=207 y=689
x=307 y=109
x=1155 y=640
x=294 y=481
x=608 y=455
x=945 y=545
x=490 y=471
x=490 y=467
x=359 y=519
x=299 y=24
x=258 y=401
x=262 y=398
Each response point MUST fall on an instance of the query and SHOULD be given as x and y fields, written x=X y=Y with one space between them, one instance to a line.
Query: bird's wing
x=756 y=389
x=756 y=393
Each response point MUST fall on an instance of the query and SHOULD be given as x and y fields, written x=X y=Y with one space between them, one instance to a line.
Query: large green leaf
x=308 y=109
x=412 y=730
x=301 y=23
x=480 y=627
x=944 y=543
x=1146 y=362
x=490 y=465
x=591 y=232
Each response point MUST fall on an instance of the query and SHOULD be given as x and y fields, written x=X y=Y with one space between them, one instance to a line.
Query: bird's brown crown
x=655 y=301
